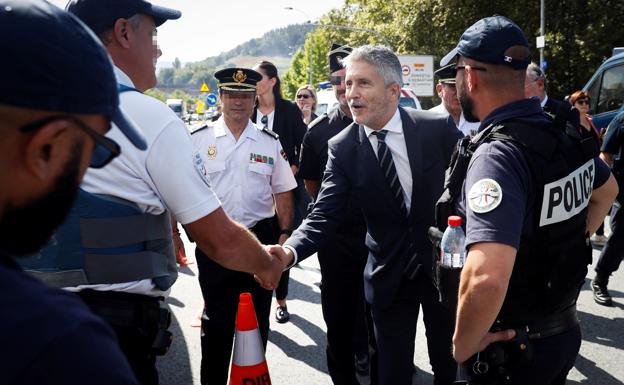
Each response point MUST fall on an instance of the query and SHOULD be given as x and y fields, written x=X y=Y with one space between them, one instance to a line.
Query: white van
x=178 y=106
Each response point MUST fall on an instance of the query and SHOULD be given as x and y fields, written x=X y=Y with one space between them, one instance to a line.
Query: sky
x=209 y=27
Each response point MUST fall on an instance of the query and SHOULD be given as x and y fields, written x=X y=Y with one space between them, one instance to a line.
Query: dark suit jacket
x=288 y=124
x=353 y=171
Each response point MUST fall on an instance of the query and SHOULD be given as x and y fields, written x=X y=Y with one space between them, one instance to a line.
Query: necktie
x=387 y=167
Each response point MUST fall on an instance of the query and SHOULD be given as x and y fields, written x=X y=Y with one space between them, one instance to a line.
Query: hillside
x=277 y=46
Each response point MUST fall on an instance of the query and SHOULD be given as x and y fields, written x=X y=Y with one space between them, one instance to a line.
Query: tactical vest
x=107 y=240
x=551 y=262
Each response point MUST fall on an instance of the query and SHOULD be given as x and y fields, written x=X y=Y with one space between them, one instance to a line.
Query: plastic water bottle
x=453 y=245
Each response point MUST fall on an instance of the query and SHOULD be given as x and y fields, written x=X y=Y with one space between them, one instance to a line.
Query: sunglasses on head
x=105 y=149
x=336 y=80
x=583 y=101
x=304 y=96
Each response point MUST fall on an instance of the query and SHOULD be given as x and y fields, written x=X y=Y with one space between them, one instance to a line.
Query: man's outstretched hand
x=281 y=257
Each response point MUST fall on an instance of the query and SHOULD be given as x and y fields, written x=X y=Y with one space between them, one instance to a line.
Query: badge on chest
x=212 y=152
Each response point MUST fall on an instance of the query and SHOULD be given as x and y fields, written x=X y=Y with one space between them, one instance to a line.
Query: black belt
x=122 y=308
x=548 y=326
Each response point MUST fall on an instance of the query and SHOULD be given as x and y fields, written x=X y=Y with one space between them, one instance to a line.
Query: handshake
x=279 y=257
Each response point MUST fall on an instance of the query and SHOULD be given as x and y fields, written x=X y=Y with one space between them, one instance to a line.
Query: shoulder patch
x=318 y=120
x=270 y=133
x=484 y=196
x=201 y=128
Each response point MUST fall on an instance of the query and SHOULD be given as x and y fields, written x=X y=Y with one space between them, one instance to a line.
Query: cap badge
x=239 y=76
x=485 y=195
x=508 y=59
x=212 y=152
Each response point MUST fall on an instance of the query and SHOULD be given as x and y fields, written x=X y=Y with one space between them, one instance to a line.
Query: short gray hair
x=534 y=73
x=382 y=58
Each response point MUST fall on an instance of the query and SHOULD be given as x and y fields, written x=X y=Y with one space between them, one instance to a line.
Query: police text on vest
x=568 y=196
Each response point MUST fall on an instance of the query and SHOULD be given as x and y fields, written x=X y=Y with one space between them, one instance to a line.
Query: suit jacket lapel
x=414 y=153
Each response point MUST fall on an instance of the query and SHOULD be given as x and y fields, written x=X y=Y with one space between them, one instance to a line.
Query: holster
x=494 y=365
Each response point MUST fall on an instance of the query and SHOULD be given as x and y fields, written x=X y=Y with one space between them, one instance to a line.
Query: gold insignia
x=239 y=76
x=212 y=152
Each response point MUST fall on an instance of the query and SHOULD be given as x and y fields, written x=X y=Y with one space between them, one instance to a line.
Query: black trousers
x=613 y=251
x=345 y=312
x=395 y=332
x=221 y=288
x=301 y=200
x=126 y=314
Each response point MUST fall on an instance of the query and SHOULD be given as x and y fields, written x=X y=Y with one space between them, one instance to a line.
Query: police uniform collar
x=221 y=129
x=516 y=109
x=122 y=78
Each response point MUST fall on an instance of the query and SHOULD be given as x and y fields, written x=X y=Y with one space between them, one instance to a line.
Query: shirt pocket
x=260 y=178
x=213 y=166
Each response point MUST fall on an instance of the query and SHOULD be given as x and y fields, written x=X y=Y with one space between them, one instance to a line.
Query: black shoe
x=362 y=363
x=601 y=294
x=281 y=314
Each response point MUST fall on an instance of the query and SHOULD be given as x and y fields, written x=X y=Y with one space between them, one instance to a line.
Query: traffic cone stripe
x=248 y=348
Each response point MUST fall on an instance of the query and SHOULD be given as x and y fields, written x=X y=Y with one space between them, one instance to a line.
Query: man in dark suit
x=536 y=84
x=391 y=163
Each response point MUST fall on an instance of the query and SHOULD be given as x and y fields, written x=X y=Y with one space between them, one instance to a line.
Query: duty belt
x=548 y=326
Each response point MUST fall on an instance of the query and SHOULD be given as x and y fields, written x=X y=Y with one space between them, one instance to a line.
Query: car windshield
x=407 y=102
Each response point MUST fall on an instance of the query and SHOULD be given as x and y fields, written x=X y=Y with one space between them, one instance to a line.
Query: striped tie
x=387 y=167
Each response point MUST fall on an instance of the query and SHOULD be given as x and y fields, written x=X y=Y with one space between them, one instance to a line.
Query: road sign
x=418 y=74
x=200 y=107
x=204 y=88
x=540 y=41
x=211 y=100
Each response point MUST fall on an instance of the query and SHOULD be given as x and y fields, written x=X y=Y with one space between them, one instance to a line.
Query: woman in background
x=305 y=97
x=580 y=101
x=276 y=114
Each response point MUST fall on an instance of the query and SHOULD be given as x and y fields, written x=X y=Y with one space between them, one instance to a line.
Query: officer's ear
x=46 y=150
x=120 y=32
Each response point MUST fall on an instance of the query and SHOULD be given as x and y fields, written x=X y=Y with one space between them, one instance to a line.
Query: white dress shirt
x=467 y=128
x=395 y=140
x=270 y=119
x=244 y=173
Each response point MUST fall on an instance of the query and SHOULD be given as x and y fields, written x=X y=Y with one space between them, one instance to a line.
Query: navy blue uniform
x=48 y=336
x=342 y=262
x=613 y=251
x=509 y=218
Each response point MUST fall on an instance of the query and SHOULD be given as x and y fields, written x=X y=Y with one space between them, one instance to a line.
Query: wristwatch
x=286 y=231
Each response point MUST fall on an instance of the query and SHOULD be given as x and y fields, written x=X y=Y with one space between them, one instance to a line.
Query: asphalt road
x=296 y=350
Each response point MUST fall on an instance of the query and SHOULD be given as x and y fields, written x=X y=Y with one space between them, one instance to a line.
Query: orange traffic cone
x=249 y=366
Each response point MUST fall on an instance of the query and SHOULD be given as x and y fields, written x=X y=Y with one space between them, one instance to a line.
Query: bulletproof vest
x=105 y=240
x=551 y=262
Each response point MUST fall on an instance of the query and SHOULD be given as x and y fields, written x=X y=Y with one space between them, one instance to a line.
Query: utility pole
x=542 y=33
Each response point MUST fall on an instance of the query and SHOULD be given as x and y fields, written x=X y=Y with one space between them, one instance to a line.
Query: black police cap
x=488 y=40
x=57 y=65
x=446 y=74
x=336 y=55
x=101 y=15
x=238 y=79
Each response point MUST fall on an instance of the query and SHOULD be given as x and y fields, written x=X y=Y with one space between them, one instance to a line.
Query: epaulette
x=200 y=128
x=317 y=120
x=270 y=133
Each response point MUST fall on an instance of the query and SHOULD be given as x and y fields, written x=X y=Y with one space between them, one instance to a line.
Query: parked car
x=409 y=99
x=606 y=89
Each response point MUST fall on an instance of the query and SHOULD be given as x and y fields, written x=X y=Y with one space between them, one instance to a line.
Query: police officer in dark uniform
x=342 y=261
x=613 y=251
x=526 y=196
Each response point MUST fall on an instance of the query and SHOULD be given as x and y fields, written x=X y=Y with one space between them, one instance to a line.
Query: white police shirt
x=245 y=173
x=165 y=176
x=467 y=128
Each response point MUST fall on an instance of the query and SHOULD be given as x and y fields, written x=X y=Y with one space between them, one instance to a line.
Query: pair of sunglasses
x=105 y=149
x=583 y=101
x=303 y=96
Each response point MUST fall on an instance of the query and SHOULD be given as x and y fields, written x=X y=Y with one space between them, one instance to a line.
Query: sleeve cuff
x=295 y=257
